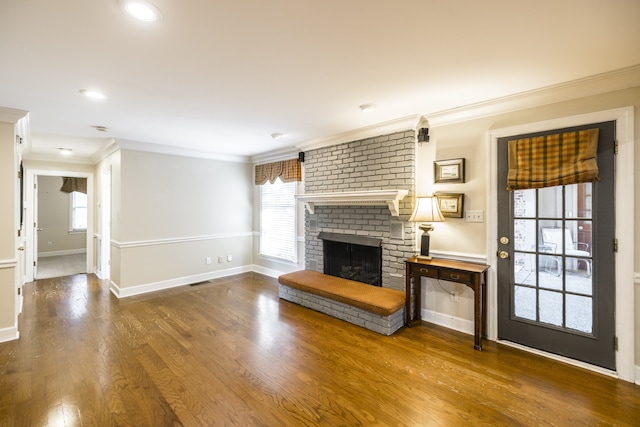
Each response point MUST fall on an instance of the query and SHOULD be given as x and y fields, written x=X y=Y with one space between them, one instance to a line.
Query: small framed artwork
x=451 y=204
x=448 y=170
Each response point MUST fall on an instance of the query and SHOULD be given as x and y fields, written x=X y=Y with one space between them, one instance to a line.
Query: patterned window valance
x=286 y=170
x=558 y=159
x=69 y=185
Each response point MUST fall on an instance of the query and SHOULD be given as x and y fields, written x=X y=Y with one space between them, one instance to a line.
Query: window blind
x=278 y=220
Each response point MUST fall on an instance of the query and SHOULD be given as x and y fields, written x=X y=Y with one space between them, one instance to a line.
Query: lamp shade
x=427 y=210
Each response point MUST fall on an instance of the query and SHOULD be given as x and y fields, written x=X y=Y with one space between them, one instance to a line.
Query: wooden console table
x=471 y=274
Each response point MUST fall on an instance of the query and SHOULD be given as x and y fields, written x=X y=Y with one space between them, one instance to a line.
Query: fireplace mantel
x=389 y=198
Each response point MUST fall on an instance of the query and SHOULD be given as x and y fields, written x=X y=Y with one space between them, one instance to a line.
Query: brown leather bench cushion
x=382 y=301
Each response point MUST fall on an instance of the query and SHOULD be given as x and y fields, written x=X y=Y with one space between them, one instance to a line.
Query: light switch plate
x=474 y=216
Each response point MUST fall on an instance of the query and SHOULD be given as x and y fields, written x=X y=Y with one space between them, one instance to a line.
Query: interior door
x=104 y=258
x=556 y=282
x=34 y=247
x=20 y=241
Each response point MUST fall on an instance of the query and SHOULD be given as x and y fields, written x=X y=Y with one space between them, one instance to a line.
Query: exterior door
x=556 y=282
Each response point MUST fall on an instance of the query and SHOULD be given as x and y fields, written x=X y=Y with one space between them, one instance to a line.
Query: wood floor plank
x=229 y=352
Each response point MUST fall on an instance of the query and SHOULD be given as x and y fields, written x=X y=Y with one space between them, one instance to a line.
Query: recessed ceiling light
x=92 y=94
x=277 y=135
x=65 y=151
x=142 y=10
x=367 y=108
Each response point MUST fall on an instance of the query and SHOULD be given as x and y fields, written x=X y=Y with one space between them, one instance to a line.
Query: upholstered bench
x=378 y=309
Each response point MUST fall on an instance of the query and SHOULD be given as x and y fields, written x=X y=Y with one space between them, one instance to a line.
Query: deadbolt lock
x=504 y=240
x=503 y=254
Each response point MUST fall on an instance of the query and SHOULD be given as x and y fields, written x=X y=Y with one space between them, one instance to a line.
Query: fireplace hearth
x=352 y=257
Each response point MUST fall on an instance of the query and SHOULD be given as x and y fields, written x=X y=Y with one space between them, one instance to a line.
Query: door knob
x=21 y=248
x=503 y=254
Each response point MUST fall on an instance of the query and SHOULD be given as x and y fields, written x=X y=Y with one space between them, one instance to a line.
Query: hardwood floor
x=229 y=352
x=61 y=265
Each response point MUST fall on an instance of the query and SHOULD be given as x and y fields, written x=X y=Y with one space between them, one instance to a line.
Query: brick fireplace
x=382 y=163
x=352 y=257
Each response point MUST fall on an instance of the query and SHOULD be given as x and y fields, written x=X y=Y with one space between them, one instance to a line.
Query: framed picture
x=448 y=170
x=451 y=204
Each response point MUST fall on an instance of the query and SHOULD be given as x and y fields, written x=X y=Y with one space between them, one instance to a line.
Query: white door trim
x=624 y=215
x=30 y=214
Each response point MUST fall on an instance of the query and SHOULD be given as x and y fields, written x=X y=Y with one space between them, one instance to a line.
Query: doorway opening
x=61 y=229
x=82 y=249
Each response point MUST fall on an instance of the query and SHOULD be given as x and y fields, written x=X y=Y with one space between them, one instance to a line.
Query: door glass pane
x=524 y=203
x=578 y=203
x=524 y=268
x=578 y=281
x=550 y=202
x=524 y=302
x=580 y=313
x=524 y=234
x=551 y=236
x=550 y=272
x=552 y=240
x=551 y=307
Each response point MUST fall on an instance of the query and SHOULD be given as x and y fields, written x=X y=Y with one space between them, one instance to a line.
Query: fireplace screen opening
x=352 y=257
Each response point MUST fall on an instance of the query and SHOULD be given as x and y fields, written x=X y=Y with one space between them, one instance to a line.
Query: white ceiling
x=221 y=76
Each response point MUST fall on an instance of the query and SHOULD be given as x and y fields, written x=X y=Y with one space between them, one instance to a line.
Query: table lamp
x=427 y=211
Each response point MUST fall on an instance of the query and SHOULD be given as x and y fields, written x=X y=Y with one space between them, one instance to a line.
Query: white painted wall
x=53 y=219
x=8 y=233
x=170 y=213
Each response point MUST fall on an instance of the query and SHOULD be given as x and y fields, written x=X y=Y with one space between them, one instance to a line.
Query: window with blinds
x=278 y=220
x=78 y=211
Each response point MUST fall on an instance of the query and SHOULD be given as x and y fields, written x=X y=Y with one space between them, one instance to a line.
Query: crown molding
x=589 y=86
x=593 y=85
x=275 y=155
x=178 y=151
x=107 y=150
x=48 y=158
x=372 y=131
x=11 y=115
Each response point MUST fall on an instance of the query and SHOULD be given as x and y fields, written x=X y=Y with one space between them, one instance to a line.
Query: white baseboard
x=172 y=283
x=451 y=322
x=637 y=375
x=266 y=271
x=62 y=253
x=9 y=334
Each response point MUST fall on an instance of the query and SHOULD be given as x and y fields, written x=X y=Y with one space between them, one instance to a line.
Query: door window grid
x=553 y=277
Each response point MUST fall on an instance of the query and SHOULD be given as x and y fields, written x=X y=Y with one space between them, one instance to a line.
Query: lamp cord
x=452 y=293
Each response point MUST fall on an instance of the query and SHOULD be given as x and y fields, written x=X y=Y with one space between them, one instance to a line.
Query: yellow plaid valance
x=558 y=159
x=286 y=170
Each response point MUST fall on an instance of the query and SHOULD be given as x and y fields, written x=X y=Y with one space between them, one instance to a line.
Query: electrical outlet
x=229 y=258
x=220 y=259
x=208 y=260
x=454 y=296
x=474 y=216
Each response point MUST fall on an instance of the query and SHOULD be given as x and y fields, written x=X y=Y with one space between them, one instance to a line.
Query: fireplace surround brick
x=379 y=163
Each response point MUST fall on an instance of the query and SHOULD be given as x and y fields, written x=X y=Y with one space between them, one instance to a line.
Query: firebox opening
x=352 y=257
